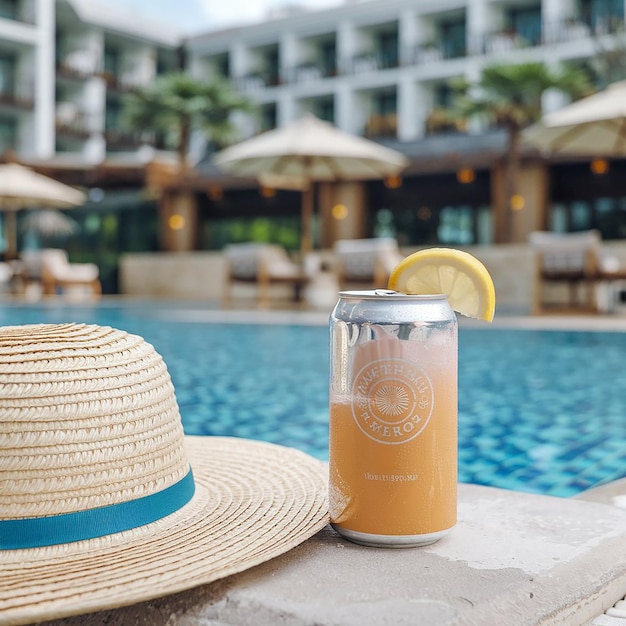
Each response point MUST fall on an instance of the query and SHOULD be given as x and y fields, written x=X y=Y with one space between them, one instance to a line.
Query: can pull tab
x=386 y=292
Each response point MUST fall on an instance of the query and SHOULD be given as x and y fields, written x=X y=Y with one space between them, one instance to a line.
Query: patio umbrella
x=593 y=126
x=21 y=187
x=301 y=153
x=48 y=224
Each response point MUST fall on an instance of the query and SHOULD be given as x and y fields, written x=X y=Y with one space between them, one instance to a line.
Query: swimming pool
x=539 y=411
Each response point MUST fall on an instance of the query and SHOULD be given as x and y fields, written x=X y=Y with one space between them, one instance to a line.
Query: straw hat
x=98 y=505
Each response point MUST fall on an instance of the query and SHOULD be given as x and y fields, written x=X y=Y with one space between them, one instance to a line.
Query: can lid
x=388 y=293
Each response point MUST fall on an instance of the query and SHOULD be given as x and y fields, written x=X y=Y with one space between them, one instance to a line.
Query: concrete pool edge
x=247 y=313
x=249 y=594
x=601 y=323
x=513 y=558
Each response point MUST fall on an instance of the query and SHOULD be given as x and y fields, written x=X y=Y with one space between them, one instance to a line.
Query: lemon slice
x=458 y=274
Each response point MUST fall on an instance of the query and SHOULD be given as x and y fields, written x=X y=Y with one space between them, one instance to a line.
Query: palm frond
x=176 y=103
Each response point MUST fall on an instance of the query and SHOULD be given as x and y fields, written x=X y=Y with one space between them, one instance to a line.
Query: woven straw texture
x=88 y=417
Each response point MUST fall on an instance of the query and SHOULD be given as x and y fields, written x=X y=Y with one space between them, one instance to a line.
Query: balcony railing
x=492 y=43
x=70 y=122
x=79 y=64
x=434 y=51
x=124 y=83
x=574 y=29
x=256 y=80
x=565 y=30
x=562 y=31
x=503 y=41
x=368 y=62
x=308 y=72
x=18 y=97
x=441 y=121
x=120 y=139
x=427 y=53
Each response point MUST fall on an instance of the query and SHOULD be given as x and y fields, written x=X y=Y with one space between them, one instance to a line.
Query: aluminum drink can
x=393 y=418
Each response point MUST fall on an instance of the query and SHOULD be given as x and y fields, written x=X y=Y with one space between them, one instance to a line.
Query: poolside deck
x=514 y=559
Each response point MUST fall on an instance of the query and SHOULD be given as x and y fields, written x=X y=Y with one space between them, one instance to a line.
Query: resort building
x=378 y=68
x=65 y=66
x=384 y=69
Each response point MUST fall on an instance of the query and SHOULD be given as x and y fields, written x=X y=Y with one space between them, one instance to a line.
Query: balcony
x=120 y=139
x=382 y=125
x=433 y=52
x=263 y=69
x=565 y=30
x=19 y=97
x=255 y=81
x=71 y=122
x=604 y=17
x=426 y=53
x=442 y=121
x=607 y=24
x=250 y=82
x=526 y=24
x=369 y=62
x=79 y=64
x=125 y=82
x=309 y=72
x=503 y=41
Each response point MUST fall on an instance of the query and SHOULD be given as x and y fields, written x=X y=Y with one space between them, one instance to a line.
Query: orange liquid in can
x=393 y=441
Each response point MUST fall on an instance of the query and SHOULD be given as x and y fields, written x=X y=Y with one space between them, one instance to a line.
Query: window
x=8 y=134
x=384 y=103
x=433 y=209
x=527 y=24
x=602 y=15
x=7 y=75
x=325 y=109
x=606 y=214
x=271 y=67
x=456 y=225
x=268 y=116
x=112 y=60
x=9 y=9
x=328 y=58
x=453 y=39
x=388 y=49
x=580 y=216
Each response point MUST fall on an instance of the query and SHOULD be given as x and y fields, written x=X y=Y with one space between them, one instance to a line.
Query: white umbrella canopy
x=307 y=151
x=48 y=223
x=21 y=187
x=593 y=126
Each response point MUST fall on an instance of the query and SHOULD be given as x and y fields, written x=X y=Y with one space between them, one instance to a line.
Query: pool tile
x=522 y=394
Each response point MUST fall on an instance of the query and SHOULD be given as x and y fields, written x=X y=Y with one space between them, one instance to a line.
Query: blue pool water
x=539 y=411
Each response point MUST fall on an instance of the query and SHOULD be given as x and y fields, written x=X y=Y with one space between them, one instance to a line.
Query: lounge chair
x=572 y=260
x=58 y=274
x=262 y=265
x=6 y=276
x=365 y=261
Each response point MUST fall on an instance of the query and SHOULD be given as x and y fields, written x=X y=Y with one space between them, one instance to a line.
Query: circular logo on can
x=392 y=400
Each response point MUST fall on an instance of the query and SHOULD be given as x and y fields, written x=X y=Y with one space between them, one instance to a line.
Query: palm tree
x=175 y=104
x=509 y=96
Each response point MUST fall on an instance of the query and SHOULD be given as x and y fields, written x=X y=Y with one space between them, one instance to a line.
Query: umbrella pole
x=306 y=240
x=11 y=234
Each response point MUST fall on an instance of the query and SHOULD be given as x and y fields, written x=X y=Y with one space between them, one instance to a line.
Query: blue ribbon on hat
x=37 y=532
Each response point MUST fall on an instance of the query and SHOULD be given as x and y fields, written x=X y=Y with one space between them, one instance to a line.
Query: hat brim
x=253 y=502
